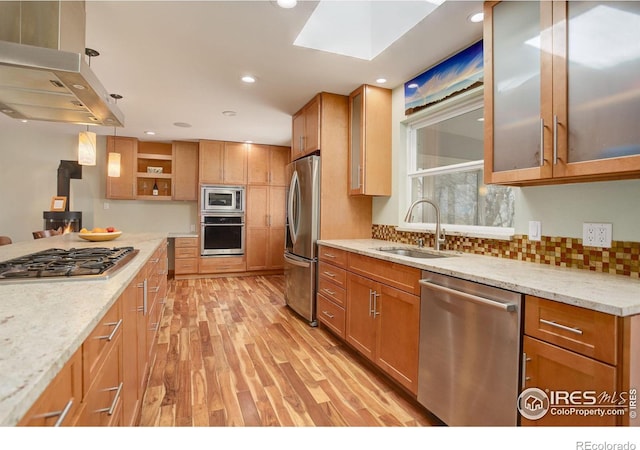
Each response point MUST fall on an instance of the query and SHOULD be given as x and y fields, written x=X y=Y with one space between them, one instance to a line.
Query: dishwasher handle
x=509 y=307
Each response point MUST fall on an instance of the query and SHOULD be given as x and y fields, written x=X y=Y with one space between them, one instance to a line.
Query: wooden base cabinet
x=332 y=289
x=265 y=232
x=186 y=255
x=60 y=402
x=569 y=349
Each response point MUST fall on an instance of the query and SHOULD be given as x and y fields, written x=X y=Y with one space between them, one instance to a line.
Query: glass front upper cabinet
x=561 y=91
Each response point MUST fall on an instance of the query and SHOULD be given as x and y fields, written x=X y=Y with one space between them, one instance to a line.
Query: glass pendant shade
x=87 y=148
x=113 y=165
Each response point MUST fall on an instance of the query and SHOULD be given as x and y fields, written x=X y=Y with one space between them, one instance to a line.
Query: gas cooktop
x=70 y=264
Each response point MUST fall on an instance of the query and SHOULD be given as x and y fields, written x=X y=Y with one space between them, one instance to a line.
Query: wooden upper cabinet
x=235 y=163
x=223 y=162
x=370 y=141
x=552 y=113
x=267 y=164
x=122 y=187
x=185 y=171
x=211 y=162
x=306 y=129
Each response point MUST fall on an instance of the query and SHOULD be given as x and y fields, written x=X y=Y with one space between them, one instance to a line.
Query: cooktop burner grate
x=74 y=263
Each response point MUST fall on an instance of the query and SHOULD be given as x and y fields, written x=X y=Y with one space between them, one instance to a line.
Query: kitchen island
x=43 y=323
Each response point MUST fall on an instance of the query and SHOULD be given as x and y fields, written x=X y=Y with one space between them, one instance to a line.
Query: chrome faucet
x=440 y=237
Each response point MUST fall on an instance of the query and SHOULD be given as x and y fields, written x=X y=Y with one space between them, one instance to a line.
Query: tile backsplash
x=622 y=258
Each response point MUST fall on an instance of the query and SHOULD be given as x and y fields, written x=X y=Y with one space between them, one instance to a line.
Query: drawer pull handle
x=110 y=409
x=562 y=327
x=155 y=289
x=329 y=255
x=115 y=330
x=329 y=291
x=329 y=315
x=60 y=414
x=330 y=274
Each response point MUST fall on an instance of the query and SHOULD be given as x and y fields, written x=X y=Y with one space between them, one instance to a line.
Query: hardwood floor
x=230 y=353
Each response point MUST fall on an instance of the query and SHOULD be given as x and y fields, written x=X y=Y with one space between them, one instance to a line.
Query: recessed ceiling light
x=477 y=17
x=24 y=120
x=286 y=3
x=229 y=113
x=381 y=80
x=150 y=133
x=182 y=124
x=248 y=79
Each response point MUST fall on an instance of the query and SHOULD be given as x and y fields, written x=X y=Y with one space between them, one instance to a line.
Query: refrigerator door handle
x=296 y=262
x=293 y=190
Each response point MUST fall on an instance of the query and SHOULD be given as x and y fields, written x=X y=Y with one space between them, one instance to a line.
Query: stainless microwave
x=222 y=199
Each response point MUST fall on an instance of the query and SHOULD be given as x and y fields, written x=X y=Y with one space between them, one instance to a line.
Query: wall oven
x=228 y=199
x=222 y=234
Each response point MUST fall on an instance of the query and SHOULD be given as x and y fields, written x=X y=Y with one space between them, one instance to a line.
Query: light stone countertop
x=613 y=294
x=42 y=324
x=177 y=234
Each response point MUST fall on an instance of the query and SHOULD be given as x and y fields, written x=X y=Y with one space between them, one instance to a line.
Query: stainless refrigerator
x=303 y=224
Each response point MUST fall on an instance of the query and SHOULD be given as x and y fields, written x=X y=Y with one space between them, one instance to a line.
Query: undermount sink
x=412 y=253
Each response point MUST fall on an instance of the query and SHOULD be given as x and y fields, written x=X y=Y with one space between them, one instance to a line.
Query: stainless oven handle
x=296 y=262
x=509 y=307
x=223 y=224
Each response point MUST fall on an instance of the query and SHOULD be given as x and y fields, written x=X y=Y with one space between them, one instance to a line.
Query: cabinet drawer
x=331 y=315
x=60 y=402
x=186 y=242
x=103 y=404
x=395 y=275
x=186 y=252
x=186 y=266
x=333 y=255
x=223 y=264
x=332 y=273
x=332 y=291
x=590 y=333
x=98 y=345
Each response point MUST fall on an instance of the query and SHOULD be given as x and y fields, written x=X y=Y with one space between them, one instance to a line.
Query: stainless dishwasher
x=469 y=351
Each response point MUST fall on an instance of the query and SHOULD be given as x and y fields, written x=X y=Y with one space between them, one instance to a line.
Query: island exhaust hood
x=43 y=73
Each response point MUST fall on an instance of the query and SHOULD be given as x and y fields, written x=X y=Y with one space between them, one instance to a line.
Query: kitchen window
x=446 y=165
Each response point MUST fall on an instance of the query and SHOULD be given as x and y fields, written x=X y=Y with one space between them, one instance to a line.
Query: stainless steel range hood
x=43 y=73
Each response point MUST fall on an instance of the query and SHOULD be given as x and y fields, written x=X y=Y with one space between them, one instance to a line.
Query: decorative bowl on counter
x=96 y=237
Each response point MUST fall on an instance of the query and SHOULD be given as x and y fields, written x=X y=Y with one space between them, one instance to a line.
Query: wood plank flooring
x=230 y=353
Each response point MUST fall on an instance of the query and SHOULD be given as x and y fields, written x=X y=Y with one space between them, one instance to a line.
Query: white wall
x=561 y=208
x=29 y=158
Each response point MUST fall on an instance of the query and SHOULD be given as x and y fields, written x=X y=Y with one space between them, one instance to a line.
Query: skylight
x=361 y=29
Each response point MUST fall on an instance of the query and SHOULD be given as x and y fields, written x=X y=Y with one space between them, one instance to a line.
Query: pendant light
x=87 y=148
x=113 y=163
x=113 y=160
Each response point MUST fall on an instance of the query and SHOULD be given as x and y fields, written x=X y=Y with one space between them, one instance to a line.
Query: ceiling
x=181 y=62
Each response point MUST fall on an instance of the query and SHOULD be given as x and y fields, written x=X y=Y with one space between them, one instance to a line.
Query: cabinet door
x=235 y=163
x=279 y=158
x=257 y=248
x=277 y=200
x=142 y=305
x=276 y=248
x=397 y=317
x=518 y=86
x=297 y=139
x=361 y=332
x=356 y=144
x=596 y=96
x=185 y=171
x=122 y=187
x=131 y=391
x=257 y=206
x=312 y=126
x=258 y=161
x=60 y=402
x=211 y=162
x=549 y=367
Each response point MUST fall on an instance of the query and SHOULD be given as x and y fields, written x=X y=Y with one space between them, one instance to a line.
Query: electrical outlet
x=105 y=205
x=193 y=227
x=596 y=234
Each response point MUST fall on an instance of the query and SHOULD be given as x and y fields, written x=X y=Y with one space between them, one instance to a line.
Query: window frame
x=464 y=103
